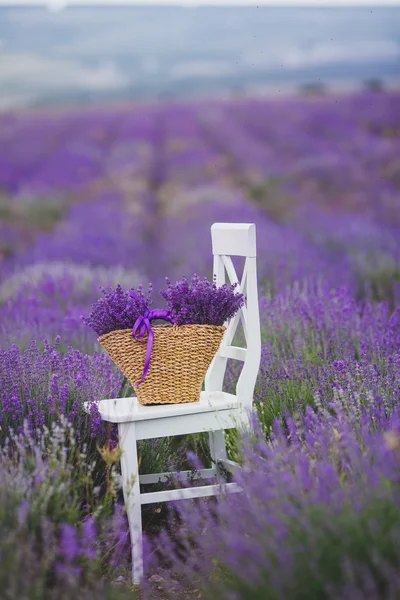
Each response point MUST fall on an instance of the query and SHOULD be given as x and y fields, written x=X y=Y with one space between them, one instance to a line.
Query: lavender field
x=98 y=196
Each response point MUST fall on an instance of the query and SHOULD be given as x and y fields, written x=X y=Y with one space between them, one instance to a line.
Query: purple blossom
x=118 y=309
x=320 y=178
x=69 y=545
x=89 y=538
x=39 y=386
x=339 y=485
x=201 y=301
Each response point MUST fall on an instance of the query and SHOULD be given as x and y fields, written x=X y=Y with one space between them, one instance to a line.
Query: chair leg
x=218 y=451
x=131 y=489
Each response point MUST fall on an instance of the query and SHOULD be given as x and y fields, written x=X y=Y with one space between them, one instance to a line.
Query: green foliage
x=32 y=212
x=379 y=280
x=271 y=197
x=287 y=396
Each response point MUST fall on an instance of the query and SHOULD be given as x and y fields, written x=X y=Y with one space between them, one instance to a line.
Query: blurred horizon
x=88 y=55
x=207 y=3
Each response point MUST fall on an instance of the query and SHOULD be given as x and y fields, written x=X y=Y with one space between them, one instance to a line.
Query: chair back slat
x=237 y=239
x=233 y=352
x=233 y=239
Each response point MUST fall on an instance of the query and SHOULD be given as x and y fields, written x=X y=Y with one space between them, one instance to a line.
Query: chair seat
x=125 y=410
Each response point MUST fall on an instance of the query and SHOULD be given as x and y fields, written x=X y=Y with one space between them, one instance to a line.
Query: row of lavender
x=322 y=176
x=124 y=195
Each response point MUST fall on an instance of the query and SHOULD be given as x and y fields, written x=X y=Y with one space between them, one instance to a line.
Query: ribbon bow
x=142 y=324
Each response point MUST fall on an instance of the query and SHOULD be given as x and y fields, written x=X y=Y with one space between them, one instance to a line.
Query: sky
x=191 y=3
x=50 y=54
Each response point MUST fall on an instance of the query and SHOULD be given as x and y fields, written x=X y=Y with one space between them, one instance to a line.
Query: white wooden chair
x=216 y=410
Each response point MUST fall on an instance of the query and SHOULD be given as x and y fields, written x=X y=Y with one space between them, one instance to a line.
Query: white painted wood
x=131 y=490
x=120 y=410
x=163 y=477
x=234 y=239
x=248 y=315
x=229 y=465
x=216 y=409
x=233 y=352
x=231 y=271
x=217 y=450
x=184 y=493
x=195 y=423
x=247 y=379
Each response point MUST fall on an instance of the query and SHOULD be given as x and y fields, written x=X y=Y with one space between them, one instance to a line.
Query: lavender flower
x=56 y=529
x=319 y=516
x=69 y=545
x=319 y=504
x=201 y=302
x=118 y=309
x=198 y=302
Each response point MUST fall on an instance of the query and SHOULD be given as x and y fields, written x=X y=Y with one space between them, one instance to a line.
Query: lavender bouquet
x=198 y=302
x=201 y=301
x=172 y=366
x=118 y=309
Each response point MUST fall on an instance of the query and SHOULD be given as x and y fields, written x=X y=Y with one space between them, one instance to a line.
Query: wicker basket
x=180 y=358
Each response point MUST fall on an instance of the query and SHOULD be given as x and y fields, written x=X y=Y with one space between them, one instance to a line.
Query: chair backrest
x=237 y=239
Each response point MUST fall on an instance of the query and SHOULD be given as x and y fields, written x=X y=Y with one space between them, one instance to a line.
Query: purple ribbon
x=142 y=325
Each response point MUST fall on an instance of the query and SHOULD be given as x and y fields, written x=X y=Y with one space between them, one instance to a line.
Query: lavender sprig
x=196 y=302
x=118 y=309
x=201 y=301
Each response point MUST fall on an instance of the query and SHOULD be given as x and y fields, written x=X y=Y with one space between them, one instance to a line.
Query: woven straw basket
x=180 y=358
